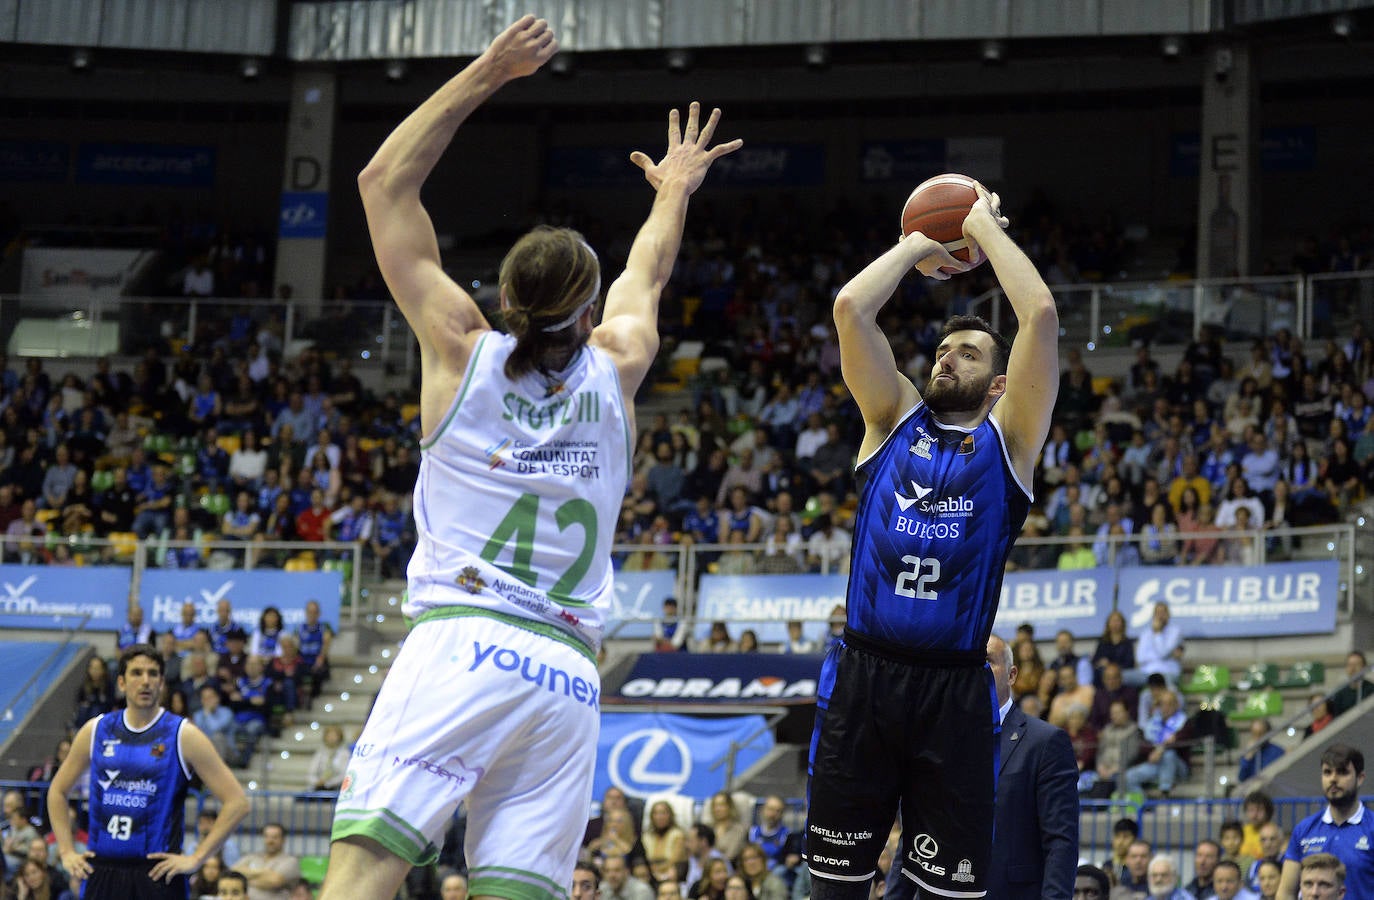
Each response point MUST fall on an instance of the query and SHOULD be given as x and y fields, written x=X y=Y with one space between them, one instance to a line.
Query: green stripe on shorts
x=388 y=829
x=458 y=611
x=513 y=884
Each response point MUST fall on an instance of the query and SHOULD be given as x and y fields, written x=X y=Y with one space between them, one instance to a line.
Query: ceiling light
x=1342 y=25
x=562 y=64
x=81 y=58
x=678 y=59
x=817 y=55
x=395 y=69
x=1171 y=45
x=250 y=68
x=993 y=51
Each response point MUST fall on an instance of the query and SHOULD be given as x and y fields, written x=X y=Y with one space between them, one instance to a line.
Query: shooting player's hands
x=986 y=212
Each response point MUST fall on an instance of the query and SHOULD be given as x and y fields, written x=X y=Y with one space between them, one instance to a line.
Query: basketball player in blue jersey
x=141 y=760
x=906 y=715
x=494 y=699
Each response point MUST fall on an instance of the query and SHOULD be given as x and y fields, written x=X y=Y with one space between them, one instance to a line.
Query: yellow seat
x=45 y=515
x=125 y=543
x=229 y=443
x=409 y=411
x=367 y=445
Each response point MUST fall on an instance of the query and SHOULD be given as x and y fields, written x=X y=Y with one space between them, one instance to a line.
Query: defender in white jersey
x=495 y=696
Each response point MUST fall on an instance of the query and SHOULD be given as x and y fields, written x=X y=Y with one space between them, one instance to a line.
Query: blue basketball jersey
x=939 y=511
x=138 y=787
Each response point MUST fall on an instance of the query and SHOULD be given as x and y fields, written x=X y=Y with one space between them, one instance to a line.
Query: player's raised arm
x=440 y=312
x=1032 y=381
x=629 y=324
x=866 y=361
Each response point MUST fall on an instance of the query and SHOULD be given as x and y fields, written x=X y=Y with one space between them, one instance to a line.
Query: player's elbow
x=1040 y=309
x=848 y=309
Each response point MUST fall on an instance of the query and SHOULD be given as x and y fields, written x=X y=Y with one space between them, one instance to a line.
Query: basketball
x=937 y=209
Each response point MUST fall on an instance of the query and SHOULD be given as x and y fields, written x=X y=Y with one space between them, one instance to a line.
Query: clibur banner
x=1235 y=601
x=163 y=592
x=638 y=601
x=1077 y=600
x=646 y=754
x=766 y=603
x=770 y=678
x=63 y=596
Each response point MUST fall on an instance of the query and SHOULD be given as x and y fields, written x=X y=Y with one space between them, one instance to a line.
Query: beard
x=957 y=396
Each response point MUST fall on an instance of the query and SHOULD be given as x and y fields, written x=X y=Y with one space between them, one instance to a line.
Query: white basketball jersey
x=519 y=494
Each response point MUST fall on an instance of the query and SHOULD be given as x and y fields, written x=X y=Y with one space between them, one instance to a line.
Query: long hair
x=546 y=280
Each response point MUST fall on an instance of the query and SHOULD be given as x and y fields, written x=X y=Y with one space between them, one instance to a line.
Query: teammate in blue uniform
x=141 y=760
x=947 y=485
x=1345 y=829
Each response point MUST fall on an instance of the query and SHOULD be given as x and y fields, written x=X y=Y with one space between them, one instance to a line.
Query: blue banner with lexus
x=646 y=754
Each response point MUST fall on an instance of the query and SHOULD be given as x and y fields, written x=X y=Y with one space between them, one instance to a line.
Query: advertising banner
x=61 y=596
x=304 y=214
x=645 y=754
x=80 y=273
x=172 y=165
x=1235 y=601
x=638 y=600
x=163 y=591
x=913 y=161
x=766 y=603
x=774 y=165
x=723 y=678
x=1078 y=601
x=34 y=161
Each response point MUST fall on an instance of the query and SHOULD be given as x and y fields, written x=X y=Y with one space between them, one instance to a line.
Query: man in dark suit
x=1036 y=812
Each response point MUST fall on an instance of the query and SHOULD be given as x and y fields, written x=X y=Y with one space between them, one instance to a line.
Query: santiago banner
x=638 y=601
x=766 y=603
x=1052 y=600
x=163 y=591
x=723 y=678
x=1235 y=601
x=60 y=596
x=655 y=753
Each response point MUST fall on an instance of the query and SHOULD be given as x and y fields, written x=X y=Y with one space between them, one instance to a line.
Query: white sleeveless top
x=519 y=494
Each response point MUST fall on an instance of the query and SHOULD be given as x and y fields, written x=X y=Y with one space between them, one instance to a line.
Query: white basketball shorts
x=500 y=711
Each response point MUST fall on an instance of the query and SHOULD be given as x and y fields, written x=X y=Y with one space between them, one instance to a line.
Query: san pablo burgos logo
x=941 y=508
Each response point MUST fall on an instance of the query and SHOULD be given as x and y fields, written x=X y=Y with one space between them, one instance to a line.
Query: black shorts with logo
x=915 y=731
x=128 y=879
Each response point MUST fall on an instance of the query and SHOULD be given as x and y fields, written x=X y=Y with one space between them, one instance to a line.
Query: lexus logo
x=642 y=763
x=925 y=846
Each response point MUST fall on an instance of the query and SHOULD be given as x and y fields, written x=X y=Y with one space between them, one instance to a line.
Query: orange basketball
x=937 y=209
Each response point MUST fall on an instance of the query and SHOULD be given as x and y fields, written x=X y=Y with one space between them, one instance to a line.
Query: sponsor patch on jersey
x=966 y=446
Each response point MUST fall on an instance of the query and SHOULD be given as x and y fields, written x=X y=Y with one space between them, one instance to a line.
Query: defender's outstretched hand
x=522 y=48
x=689 y=153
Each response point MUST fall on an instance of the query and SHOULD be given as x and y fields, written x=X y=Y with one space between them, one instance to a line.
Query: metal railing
x=1253 y=547
x=1163 y=313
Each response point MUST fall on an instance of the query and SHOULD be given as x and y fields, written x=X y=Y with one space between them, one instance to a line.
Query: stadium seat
x=1259 y=675
x=1223 y=703
x=45 y=515
x=102 y=480
x=1207 y=679
x=125 y=544
x=229 y=443
x=313 y=868
x=409 y=411
x=1259 y=705
x=1304 y=675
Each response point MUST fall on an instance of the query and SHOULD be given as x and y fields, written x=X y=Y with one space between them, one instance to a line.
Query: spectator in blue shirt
x=153 y=512
x=390 y=542
x=212 y=462
x=1261 y=752
x=1167 y=763
x=249 y=699
x=217 y=721
x=769 y=832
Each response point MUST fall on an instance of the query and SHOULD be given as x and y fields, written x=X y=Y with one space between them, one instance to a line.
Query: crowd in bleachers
x=236 y=444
